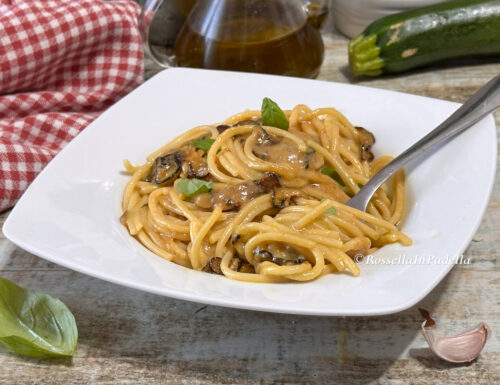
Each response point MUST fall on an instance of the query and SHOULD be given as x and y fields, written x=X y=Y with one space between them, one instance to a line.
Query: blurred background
x=350 y=17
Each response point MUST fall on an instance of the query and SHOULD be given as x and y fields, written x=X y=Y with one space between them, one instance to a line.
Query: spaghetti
x=263 y=204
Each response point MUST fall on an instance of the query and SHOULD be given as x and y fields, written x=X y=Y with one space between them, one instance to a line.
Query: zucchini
x=415 y=38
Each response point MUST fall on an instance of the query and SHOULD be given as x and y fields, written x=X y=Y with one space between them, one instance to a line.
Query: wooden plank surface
x=131 y=337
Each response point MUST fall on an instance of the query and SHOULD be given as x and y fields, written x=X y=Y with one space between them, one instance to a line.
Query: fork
x=484 y=101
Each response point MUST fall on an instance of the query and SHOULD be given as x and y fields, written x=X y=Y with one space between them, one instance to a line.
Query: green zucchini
x=415 y=38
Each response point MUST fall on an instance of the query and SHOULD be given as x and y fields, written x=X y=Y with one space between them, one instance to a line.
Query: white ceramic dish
x=69 y=215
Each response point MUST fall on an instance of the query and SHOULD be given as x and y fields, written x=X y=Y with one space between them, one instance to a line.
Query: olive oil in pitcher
x=277 y=37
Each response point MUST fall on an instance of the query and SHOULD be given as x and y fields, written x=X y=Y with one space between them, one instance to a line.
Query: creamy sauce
x=234 y=196
x=283 y=152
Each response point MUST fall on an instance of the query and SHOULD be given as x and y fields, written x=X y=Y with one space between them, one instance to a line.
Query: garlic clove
x=463 y=347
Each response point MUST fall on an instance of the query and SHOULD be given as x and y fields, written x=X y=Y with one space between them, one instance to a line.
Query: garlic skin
x=463 y=347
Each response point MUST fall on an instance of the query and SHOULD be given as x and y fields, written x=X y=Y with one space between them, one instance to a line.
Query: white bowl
x=69 y=214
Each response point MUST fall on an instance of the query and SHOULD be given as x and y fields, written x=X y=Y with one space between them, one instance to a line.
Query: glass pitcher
x=270 y=36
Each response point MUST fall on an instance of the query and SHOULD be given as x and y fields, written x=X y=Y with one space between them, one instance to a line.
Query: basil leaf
x=272 y=115
x=35 y=324
x=331 y=210
x=192 y=187
x=203 y=144
x=332 y=173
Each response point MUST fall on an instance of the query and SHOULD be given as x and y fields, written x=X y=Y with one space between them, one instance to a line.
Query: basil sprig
x=331 y=210
x=203 y=144
x=192 y=187
x=332 y=173
x=35 y=324
x=272 y=115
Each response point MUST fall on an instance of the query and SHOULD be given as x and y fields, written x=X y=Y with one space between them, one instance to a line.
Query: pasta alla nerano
x=261 y=197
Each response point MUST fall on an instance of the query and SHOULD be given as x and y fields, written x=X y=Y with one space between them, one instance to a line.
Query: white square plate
x=69 y=215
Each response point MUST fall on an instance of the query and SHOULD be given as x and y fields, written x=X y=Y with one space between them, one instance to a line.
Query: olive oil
x=253 y=44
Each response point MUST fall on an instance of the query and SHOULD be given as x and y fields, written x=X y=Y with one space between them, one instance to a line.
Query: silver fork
x=484 y=101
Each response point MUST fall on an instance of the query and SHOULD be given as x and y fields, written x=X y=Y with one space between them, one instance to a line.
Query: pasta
x=263 y=204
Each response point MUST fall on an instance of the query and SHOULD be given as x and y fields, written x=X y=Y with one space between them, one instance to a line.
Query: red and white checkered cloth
x=62 y=62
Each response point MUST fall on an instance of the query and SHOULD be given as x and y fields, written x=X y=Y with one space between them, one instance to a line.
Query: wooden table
x=131 y=337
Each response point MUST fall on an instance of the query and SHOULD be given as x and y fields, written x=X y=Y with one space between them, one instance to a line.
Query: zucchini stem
x=364 y=56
